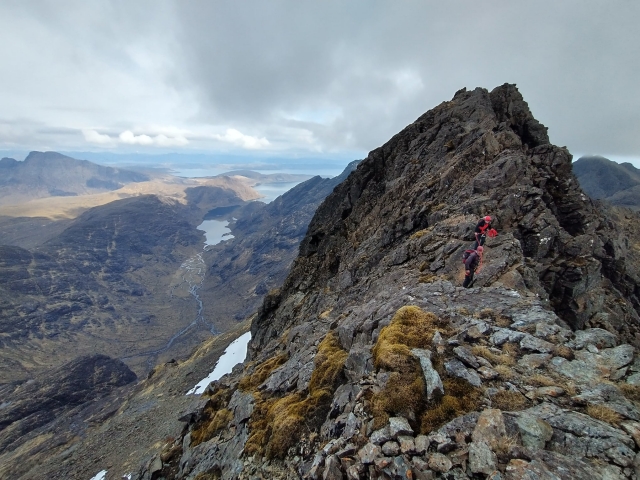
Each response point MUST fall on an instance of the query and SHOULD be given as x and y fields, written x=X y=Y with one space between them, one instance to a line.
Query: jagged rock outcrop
x=372 y=361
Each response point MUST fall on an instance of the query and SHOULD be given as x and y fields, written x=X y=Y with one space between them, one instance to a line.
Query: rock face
x=45 y=174
x=337 y=377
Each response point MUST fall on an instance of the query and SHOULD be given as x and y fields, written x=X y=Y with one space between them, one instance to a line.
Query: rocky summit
x=372 y=361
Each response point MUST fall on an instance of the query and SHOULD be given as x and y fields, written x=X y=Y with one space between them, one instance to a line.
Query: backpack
x=466 y=255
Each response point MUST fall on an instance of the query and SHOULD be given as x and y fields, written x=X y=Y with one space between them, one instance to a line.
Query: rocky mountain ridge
x=372 y=362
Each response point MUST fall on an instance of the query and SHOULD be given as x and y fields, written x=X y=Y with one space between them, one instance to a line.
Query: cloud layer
x=288 y=76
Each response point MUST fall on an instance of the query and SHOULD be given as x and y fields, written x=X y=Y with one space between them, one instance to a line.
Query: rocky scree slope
x=372 y=362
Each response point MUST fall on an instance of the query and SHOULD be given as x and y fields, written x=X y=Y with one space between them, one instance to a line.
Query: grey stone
x=579 y=436
x=432 y=379
x=465 y=355
x=481 y=458
x=534 y=360
x=487 y=373
x=401 y=469
x=381 y=436
x=352 y=426
x=529 y=342
x=490 y=427
x=619 y=356
x=504 y=335
x=422 y=443
x=439 y=463
x=391 y=449
x=359 y=364
x=241 y=404
x=399 y=426
x=593 y=336
x=369 y=452
x=407 y=444
x=633 y=379
x=534 y=432
x=332 y=470
x=455 y=368
x=546 y=330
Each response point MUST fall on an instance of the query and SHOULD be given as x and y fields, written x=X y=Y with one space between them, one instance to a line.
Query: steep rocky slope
x=617 y=183
x=266 y=238
x=372 y=362
x=50 y=174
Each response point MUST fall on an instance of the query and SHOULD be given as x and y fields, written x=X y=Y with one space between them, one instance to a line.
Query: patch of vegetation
x=418 y=234
x=505 y=372
x=278 y=423
x=539 y=380
x=460 y=398
x=261 y=373
x=509 y=400
x=215 y=417
x=506 y=358
x=605 y=414
x=632 y=392
x=424 y=266
x=404 y=393
x=563 y=351
x=429 y=278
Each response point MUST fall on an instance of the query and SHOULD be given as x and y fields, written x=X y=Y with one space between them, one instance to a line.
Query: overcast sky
x=307 y=78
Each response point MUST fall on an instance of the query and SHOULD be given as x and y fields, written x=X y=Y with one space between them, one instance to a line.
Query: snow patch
x=100 y=475
x=234 y=354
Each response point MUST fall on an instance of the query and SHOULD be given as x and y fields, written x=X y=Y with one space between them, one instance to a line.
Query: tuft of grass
x=326 y=313
x=632 y=392
x=489 y=313
x=600 y=412
x=404 y=393
x=429 y=278
x=215 y=417
x=278 y=423
x=460 y=398
x=563 y=351
x=539 y=380
x=506 y=358
x=410 y=328
x=502 y=321
x=506 y=372
x=418 y=234
x=261 y=373
x=509 y=400
x=424 y=266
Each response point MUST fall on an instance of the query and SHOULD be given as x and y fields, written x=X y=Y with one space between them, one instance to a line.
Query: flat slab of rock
x=593 y=336
x=399 y=426
x=465 y=355
x=456 y=368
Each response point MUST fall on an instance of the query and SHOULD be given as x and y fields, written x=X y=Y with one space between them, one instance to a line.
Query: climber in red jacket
x=482 y=229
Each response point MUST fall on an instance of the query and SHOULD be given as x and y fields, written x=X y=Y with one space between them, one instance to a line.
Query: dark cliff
x=371 y=361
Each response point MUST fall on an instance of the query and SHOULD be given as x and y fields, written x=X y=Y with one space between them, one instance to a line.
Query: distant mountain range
x=603 y=179
x=51 y=174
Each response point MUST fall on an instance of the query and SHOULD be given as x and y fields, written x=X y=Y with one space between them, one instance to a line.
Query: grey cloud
x=574 y=61
x=345 y=75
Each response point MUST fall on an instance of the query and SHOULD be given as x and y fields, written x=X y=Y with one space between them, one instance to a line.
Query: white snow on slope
x=100 y=475
x=235 y=353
